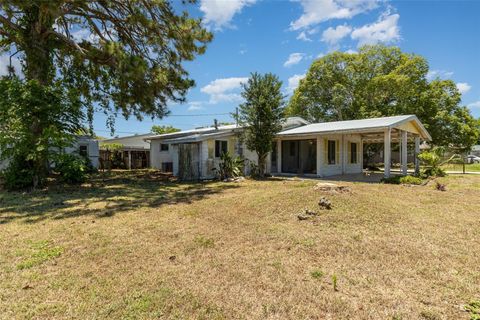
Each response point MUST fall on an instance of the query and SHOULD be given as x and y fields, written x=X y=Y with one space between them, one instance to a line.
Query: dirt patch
x=331 y=188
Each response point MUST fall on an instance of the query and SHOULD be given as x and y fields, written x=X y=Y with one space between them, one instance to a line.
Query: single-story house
x=83 y=145
x=301 y=148
x=86 y=146
x=134 y=154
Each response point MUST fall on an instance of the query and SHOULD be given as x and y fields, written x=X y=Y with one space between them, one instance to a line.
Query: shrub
x=230 y=167
x=402 y=180
x=19 y=174
x=72 y=168
x=432 y=160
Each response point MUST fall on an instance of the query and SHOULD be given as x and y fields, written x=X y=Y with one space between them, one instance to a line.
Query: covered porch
x=337 y=148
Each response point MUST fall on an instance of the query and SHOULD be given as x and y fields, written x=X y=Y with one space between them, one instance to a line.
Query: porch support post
x=319 y=156
x=387 y=152
x=417 y=151
x=404 y=152
x=129 y=160
x=279 y=156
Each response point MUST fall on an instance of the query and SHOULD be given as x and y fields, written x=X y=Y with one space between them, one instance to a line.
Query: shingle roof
x=355 y=125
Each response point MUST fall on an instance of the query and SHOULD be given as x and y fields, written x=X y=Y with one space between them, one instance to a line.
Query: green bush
x=230 y=167
x=19 y=174
x=72 y=168
x=432 y=160
x=403 y=180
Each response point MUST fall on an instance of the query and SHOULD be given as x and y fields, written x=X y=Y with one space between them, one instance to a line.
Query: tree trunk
x=261 y=165
x=38 y=67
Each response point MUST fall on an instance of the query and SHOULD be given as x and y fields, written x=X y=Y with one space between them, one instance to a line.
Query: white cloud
x=293 y=82
x=303 y=36
x=195 y=106
x=333 y=35
x=223 y=89
x=5 y=63
x=474 y=105
x=293 y=59
x=351 y=51
x=463 y=87
x=385 y=30
x=219 y=13
x=317 y=11
x=442 y=74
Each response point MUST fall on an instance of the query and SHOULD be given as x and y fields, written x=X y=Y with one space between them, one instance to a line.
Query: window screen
x=353 y=153
x=331 y=151
x=220 y=148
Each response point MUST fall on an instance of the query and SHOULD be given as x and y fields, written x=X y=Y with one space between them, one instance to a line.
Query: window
x=220 y=148
x=293 y=148
x=83 y=151
x=332 y=150
x=353 y=152
x=163 y=147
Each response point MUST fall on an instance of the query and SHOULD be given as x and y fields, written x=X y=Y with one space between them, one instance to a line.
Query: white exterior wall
x=93 y=149
x=157 y=157
x=342 y=166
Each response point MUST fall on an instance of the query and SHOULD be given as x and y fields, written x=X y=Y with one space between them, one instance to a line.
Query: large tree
x=157 y=129
x=261 y=114
x=383 y=81
x=125 y=55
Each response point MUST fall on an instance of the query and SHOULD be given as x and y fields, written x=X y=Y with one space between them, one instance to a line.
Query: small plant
x=335 y=282
x=432 y=160
x=403 y=180
x=317 y=274
x=230 y=167
x=474 y=309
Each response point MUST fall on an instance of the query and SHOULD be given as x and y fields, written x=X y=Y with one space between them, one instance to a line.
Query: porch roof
x=361 y=126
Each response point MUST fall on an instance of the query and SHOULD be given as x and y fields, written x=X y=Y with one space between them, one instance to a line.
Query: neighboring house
x=301 y=148
x=83 y=145
x=193 y=154
x=86 y=146
x=476 y=150
x=135 y=152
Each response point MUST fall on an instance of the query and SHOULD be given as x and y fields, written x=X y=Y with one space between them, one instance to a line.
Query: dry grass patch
x=237 y=250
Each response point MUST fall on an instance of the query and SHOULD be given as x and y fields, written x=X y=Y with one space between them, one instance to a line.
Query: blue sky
x=284 y=37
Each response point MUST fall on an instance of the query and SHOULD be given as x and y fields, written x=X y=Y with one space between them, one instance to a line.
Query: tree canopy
x=163 y=129
x=383 y=81
x=125 y=54
x=120 y=57
x=261 y=114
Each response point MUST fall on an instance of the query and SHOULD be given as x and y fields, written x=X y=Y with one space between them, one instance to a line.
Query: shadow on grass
x=104 y=196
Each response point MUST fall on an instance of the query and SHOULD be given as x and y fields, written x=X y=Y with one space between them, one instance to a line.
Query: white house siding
x=93 y=149
x=158 y=157
x=342 y=165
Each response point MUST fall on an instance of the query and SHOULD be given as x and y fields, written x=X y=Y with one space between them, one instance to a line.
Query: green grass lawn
x=135 y=245
x=473 y=167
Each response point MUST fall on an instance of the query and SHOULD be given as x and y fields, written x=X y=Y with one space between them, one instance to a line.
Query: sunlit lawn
x=135 y=245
